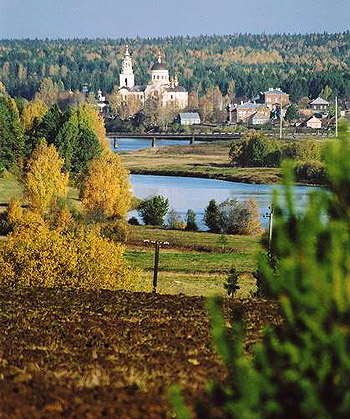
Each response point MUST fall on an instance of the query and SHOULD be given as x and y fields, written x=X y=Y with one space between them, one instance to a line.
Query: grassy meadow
x=206 y=160
x=194 y=263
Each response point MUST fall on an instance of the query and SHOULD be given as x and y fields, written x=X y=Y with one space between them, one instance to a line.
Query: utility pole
x=281 y=118
x=270 y=225
x=269 y=215
x=336 y=116
x=157 y=245
x=155 y=269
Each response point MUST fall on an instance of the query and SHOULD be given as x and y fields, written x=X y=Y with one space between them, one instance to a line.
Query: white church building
x=161 y=86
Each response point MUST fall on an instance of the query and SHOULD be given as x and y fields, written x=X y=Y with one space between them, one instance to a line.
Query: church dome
x=158 y=66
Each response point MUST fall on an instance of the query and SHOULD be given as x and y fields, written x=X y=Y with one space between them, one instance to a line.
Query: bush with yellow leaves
x=34 y=255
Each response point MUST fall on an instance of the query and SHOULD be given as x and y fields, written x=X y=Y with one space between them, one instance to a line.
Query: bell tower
x=126 y=77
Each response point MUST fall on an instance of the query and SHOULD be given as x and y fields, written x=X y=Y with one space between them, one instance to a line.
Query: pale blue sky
x=151 y=18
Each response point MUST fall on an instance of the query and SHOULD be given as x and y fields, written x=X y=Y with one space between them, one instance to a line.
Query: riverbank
x=209 y=161
x=206 y=161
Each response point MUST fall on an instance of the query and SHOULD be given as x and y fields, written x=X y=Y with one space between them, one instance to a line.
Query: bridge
x=170 y=136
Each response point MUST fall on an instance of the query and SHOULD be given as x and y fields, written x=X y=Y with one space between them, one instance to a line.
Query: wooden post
x=156 y=262
x=115 y=142
x=154 y=142
x=192 y=140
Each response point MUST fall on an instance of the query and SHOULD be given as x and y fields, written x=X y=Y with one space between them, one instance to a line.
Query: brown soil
x=89 y=354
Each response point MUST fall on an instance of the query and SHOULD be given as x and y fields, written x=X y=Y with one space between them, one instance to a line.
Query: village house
x=319 y=105
x=259 y=118
x=189 y=118
x=313 y=123
x=244 y=111
x=274 y=97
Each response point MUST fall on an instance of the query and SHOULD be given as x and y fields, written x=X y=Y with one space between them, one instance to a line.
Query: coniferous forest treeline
x=242 y=65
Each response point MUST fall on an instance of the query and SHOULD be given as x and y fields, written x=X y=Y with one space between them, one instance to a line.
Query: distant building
x=161 y=86
x=259 y=118
x=189 y=118
x=313 y=123
x=102 y=103
x=274 y=97
x=244 y=111
x=319 y=105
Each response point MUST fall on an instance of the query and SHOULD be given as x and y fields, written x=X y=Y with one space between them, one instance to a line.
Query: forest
x=240 y=65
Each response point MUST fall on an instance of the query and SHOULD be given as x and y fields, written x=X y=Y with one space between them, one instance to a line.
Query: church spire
x=127 y=73
x=159 y=57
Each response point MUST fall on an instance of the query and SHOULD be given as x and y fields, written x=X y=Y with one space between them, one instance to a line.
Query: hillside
x=302 y=65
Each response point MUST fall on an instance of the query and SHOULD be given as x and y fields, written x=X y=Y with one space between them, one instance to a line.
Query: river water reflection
x=192 y=193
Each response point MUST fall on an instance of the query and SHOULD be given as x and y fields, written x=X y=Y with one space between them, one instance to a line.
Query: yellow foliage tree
x=44 y=180
x=105 y=191
x=253 y=226
x=89 y=118
x=33 y=113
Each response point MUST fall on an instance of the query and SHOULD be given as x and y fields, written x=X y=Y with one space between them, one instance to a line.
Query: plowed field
x=89 y=354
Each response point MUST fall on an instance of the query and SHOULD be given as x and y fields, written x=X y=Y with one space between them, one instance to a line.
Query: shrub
x=153 y=210
x=255 y=151
x=175 y=221
x=231 y=284
x=133 y=221
x=239 y=217
x=310 y=172
x=9 y=218
x=35 y=256
x=117 y=230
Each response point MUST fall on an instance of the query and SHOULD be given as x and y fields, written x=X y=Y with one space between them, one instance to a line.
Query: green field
x=193 y=263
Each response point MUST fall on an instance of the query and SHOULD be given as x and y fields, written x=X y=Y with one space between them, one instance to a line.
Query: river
x=193 y=193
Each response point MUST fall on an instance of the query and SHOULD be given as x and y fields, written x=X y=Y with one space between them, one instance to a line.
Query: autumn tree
x=33 y=114
x=105 y=190
x=48 y=92
x=193 y=101
x=206 y=108
x=44 y=181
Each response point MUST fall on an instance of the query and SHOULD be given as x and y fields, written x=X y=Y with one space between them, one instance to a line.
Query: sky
x=158 y=18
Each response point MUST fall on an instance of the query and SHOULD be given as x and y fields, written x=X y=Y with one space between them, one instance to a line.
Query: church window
x=171 y=97
x=126 y=82
x=158 y=77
